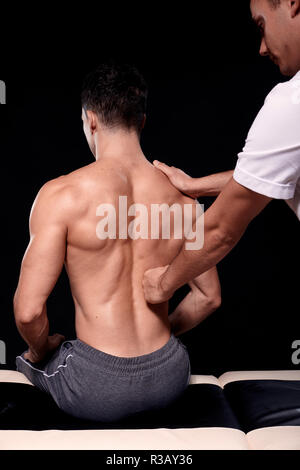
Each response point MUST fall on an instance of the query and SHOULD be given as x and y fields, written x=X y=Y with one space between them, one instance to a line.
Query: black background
x=206 y=85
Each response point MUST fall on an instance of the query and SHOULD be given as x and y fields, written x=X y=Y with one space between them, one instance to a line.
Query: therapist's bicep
x=235 y=208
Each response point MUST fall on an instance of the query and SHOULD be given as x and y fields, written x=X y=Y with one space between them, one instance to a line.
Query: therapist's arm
x=210 y=185
x=224 y=224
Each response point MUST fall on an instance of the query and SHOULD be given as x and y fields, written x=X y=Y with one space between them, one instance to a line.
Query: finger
x=161 y=166
x=146 y=273
x=156 y=270
x=58 y=338
x=57 y=335
x=167 y=170
x=28 y=357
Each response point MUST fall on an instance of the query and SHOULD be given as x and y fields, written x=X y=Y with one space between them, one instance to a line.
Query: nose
x=263 y=48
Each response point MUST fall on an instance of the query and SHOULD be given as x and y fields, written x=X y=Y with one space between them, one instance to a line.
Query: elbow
x=25 y=318
x=25 y=314
x=214 y=302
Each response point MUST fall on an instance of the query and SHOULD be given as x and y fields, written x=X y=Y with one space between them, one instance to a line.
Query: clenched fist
x=154 y=294
x=53 y=342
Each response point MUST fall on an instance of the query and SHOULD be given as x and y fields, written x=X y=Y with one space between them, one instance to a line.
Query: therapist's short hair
x=274 y=3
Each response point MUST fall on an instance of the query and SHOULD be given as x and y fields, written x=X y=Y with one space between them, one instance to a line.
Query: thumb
x=147 y=272
x=158 y=163
x=163 y=167
x=58 y=337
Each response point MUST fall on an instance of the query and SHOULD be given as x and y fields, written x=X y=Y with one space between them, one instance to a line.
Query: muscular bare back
x=80 y=221
x=106 y=274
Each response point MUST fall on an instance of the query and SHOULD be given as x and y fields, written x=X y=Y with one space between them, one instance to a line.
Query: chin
x=287 y=71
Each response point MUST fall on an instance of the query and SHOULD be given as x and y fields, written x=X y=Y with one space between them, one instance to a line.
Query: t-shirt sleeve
x=270 y=161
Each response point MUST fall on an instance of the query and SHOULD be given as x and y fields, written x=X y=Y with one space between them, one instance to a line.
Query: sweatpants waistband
x=128 y=364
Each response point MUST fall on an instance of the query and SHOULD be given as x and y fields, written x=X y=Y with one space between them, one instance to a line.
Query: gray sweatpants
x=91 y=384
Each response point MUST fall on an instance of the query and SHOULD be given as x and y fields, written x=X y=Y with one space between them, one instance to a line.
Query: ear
x=295 y=8
x=144 y=121
x=92 y=120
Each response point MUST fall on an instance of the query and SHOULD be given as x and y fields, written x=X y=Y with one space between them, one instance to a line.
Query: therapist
x=268 y=167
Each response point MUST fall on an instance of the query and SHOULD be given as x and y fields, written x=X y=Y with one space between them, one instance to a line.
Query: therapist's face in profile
x=280 y=32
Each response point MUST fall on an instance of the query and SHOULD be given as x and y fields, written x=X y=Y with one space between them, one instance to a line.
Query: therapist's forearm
x=224 y=224
x=189 y=264
x=210 y=185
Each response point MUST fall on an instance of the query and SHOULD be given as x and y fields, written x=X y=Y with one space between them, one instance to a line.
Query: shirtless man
x=126 y=357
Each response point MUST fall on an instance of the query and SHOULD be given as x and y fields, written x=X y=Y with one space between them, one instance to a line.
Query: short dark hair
x=117 y=93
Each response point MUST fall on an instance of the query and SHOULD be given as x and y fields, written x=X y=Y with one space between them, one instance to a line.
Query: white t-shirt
x=270 y=161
